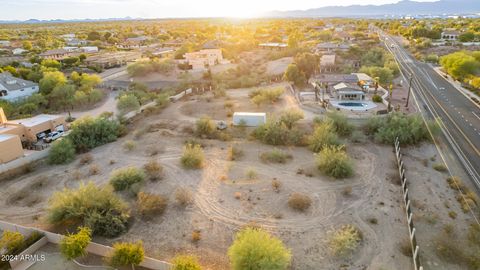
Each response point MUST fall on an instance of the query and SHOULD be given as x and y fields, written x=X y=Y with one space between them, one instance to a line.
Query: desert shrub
x=61 y=152
x=323 y=136
x=456 y=183
x=334 y=161
x=377 y=98
x=344 y=240
x=251 y=174
x=406 y=247
x=275 y=156
x=153 y=170
x=228 y=104
x=95 y=207
x=87 y=133
x=299 y=201
x=151 y=204
x=234 y=153
x=277 y=133
x=265 y=96
x=196 y=236
x=192 y=157
x=440 y=167
x=127 y=254
x=357 y=137
x=340 y=123
x=12 y=242
x=74 y=245
x=94 y=169
x=122 y=179
x=452 y=214
x=205 y=127
x=185 y=262
x=254 y=248
x=86 y=159
x=129 y=145
x=276 y=185
x=183 y=196
x=290 y=117
x=408 y=129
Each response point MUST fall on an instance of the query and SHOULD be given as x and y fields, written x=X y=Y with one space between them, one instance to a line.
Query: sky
x=99 y=9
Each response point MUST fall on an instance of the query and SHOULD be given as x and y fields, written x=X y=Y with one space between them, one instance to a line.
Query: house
x=76 y=42
x=328 y=63
x=14 y=133
x=56 y=54
x=4 y=43
x=113 y=59
x=451 y=35
x=68 y=37
x=18 y=51
x=160 y=52
x=329 y=47
x=343 y=91
x=273 y=45
x=133 y=43
x=13 y=89
x=204 y=58
x=344 y=36
x=89 y=49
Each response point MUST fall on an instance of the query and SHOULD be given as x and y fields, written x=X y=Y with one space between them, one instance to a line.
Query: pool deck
x=366 y=105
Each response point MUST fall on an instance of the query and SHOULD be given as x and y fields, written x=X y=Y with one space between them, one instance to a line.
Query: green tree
x=307 y=63
x=27 y=45
x=384 y=75
x=87 y=132
x=127 y=103
x=50 y=80
x=255 y=249
x=63 y=96
x=61 y=152
x=125 y=254
x=294 y=39
x=51 y=63
x=73 y=246
x=467 y=37
x=293 y=74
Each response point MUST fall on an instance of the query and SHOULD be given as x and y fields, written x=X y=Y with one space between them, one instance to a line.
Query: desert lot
x=226 y=198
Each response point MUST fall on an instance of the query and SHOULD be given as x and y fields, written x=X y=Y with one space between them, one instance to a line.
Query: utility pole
x=390 y=98
x=409 y=89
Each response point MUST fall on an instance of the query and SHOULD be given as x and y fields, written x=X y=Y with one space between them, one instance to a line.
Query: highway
x=438 y=99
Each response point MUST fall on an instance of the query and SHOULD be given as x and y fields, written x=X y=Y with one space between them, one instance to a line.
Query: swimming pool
x=353 y=104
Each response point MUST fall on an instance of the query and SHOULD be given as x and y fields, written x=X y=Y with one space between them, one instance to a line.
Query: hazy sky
x=79 y=9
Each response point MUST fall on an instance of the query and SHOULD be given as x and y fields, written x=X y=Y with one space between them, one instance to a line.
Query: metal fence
x=408 y=209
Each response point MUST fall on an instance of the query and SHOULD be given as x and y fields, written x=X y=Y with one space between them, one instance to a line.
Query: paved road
x=438 y=98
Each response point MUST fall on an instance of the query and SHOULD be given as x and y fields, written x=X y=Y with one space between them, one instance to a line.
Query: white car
x=53 y=136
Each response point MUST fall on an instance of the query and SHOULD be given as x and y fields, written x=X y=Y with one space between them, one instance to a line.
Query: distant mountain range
x=402 y=8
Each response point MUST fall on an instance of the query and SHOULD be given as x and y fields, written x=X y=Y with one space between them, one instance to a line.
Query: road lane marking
x=476 y=115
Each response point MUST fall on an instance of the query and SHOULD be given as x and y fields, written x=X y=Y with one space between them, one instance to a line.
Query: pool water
x=352 y=104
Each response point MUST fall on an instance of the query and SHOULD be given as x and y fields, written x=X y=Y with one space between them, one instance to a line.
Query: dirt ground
x=218 y=212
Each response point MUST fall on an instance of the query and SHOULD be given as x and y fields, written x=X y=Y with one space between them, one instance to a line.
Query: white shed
x=249 y=119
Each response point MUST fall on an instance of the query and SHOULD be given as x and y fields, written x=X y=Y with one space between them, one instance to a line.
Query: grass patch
x=276 y=156
x=344 y=240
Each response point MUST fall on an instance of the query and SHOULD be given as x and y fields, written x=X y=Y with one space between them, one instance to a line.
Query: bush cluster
x=153 y=170
x=73 y=245
x=408 y=129
x=95 y=207
x=340 y=123
x=123 y=179
x=344 y=240
x=205 y=127
x=127 y=254
x=299 y=201
x=275 y=156
x=323 y=136
x=254 y=248
x=87 y=133
x=275 y=132
x=334 y=161
x=192 y=157
x=185 y=262
x=61 y=152
x=265 y=96
x=151 y=204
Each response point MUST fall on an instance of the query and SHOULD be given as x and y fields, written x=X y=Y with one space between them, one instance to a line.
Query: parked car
x=53 y=136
